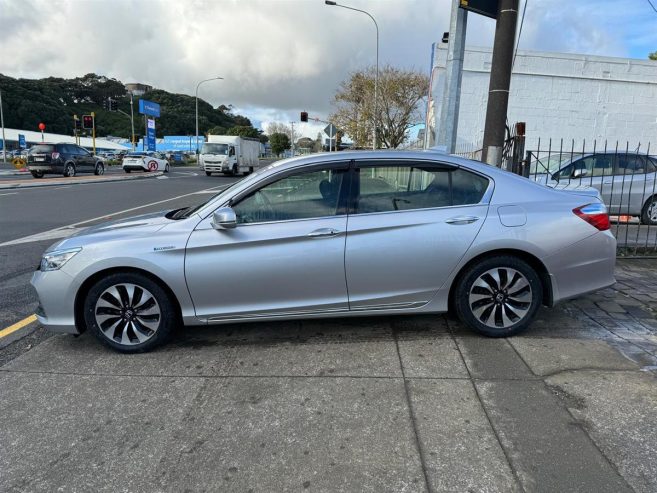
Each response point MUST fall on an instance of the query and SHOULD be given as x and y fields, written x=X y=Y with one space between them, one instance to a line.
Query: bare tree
x=398 y=107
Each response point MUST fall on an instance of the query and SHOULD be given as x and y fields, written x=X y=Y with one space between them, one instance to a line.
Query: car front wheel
x=649 y=213
x=100 y=169
x=498 y=297
x=129 y=312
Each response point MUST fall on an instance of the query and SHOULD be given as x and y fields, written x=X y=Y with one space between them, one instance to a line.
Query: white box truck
x=229 y=154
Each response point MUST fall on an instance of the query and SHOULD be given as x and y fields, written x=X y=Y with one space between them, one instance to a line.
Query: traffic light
x=304 y=116
x=87 y=121
x=114 y=105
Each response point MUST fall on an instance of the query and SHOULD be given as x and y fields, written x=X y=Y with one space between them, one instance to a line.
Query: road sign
x=152 y=165
x=330 y=130
x=483 y=7
x=21 y=141
x=149 y=108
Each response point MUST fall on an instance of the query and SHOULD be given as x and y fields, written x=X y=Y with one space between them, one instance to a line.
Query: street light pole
x=376 y=79
x=197 y=86
x=132 y=123
x=4 y=142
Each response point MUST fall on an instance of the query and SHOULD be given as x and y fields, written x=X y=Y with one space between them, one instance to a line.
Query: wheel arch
x=78 y=305
x=533 y=261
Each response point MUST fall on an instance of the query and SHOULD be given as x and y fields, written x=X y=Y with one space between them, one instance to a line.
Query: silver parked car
x=328 y=235
x=626 y=181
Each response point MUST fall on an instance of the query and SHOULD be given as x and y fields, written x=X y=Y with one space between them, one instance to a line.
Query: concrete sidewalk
x=373 y=404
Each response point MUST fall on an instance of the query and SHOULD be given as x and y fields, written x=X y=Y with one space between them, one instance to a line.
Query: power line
x=522 y=21
x=653 y=7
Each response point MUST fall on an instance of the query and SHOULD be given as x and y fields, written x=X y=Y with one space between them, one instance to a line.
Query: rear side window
x=398 y=188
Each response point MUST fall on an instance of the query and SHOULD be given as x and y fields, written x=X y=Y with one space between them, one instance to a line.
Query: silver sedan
x=334 y=235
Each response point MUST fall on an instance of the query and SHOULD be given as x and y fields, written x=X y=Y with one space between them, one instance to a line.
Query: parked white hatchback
x=145 y=161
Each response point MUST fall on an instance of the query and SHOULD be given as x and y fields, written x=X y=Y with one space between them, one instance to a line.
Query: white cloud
x=278 y=57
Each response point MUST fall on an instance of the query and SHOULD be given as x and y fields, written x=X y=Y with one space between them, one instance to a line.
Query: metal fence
x=624 y=173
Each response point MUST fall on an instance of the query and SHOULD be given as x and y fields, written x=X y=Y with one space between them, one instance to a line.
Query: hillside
x=54 y=101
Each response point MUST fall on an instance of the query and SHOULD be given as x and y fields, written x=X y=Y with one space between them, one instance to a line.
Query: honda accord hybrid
x=334 y=235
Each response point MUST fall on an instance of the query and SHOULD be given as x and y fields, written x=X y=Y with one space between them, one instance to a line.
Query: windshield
x=214 y=149
x=552 y=163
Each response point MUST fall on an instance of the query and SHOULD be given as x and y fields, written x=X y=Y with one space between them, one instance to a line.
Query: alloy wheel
x=652 y=212
x=127 y=314
x=500 y=297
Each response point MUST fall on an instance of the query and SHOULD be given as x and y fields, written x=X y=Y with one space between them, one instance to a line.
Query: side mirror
x=224 y=218
x=578 y=173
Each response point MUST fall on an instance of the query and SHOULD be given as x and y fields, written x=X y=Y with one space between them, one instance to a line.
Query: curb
x=61 y=181
x=15 y=335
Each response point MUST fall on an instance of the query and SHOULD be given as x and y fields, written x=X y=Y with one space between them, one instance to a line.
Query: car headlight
x=56 y=260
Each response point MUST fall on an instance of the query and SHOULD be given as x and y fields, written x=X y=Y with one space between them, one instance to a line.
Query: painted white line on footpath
x=65 y=231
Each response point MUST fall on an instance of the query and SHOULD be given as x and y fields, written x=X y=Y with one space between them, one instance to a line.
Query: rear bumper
x=134 y=167
x=46 y=168
x=583 y=267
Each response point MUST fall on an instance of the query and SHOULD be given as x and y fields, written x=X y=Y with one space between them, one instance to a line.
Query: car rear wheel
x=649 y=212
x=37 y=174
x=100 y=169
x=129 y=312
x=69 y=170
x=499 y=296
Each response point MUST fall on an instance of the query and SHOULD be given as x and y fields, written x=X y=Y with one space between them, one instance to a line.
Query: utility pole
x=4 y=142
x=449 y=109
x=132 y=123
x=292 y=138
x=500 y=81
x=93 y=131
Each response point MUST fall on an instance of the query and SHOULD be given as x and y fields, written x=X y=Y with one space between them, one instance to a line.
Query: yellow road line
x=17 y=326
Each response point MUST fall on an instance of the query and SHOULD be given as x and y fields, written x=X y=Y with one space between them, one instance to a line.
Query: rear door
x=86 y=160
x=410 y=224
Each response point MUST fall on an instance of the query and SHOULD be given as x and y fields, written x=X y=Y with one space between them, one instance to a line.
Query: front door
x=411 y=224
x=285 y=257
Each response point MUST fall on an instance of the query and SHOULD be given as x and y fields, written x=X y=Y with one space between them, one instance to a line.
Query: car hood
x=131 y=227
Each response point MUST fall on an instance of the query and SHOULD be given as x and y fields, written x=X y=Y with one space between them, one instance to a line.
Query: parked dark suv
x=63 y=159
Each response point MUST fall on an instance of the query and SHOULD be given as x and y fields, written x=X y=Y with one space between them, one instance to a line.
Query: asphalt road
x=28 y=216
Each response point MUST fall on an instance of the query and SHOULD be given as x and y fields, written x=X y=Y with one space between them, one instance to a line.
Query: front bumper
x=216 y=167
x=56 y=292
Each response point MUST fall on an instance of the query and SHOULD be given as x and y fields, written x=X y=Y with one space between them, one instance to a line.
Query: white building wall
x=559 y=96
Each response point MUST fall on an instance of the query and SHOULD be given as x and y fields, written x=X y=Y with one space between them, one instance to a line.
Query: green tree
x=218 y=130
x=279 y=142
x=653 y=55
x=398 y=105
x=263 y=138
x=244 y=131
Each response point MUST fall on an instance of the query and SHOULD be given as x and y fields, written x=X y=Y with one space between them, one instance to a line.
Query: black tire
x=164 y=324
x=511 y=312
x=166 y=168
x=234 y=171
x=99 y=169
x=69 y=170
x=128 y=170
x=208 y=173
x=649 y=207
x=250 y=169
x=37 y=174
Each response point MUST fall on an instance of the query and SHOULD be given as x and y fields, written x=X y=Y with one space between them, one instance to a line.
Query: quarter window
x=398 y=188
x=299 y=196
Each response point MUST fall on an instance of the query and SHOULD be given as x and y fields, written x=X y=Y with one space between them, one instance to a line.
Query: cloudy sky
x=279 y=57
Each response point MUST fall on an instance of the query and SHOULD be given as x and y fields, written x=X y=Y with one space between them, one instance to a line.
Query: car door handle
x=462 y=220
x=318 y=233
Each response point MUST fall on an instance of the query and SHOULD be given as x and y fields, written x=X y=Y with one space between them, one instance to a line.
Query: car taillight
x=594 y=214
x=55 y=155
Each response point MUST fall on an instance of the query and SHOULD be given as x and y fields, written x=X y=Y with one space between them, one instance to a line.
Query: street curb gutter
x=60 y=182
x=18 y=330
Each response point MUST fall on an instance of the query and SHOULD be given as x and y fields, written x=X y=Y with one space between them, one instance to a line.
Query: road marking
x=65 y=231
x=12 y=193
x=17 y=326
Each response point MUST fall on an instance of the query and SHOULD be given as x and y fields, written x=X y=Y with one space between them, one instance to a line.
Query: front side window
x=398 y=188
x=298 y=196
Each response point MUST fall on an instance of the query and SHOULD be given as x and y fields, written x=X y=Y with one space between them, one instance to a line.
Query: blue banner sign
x=149 y=108
x=150 y=135
x=21 y=141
